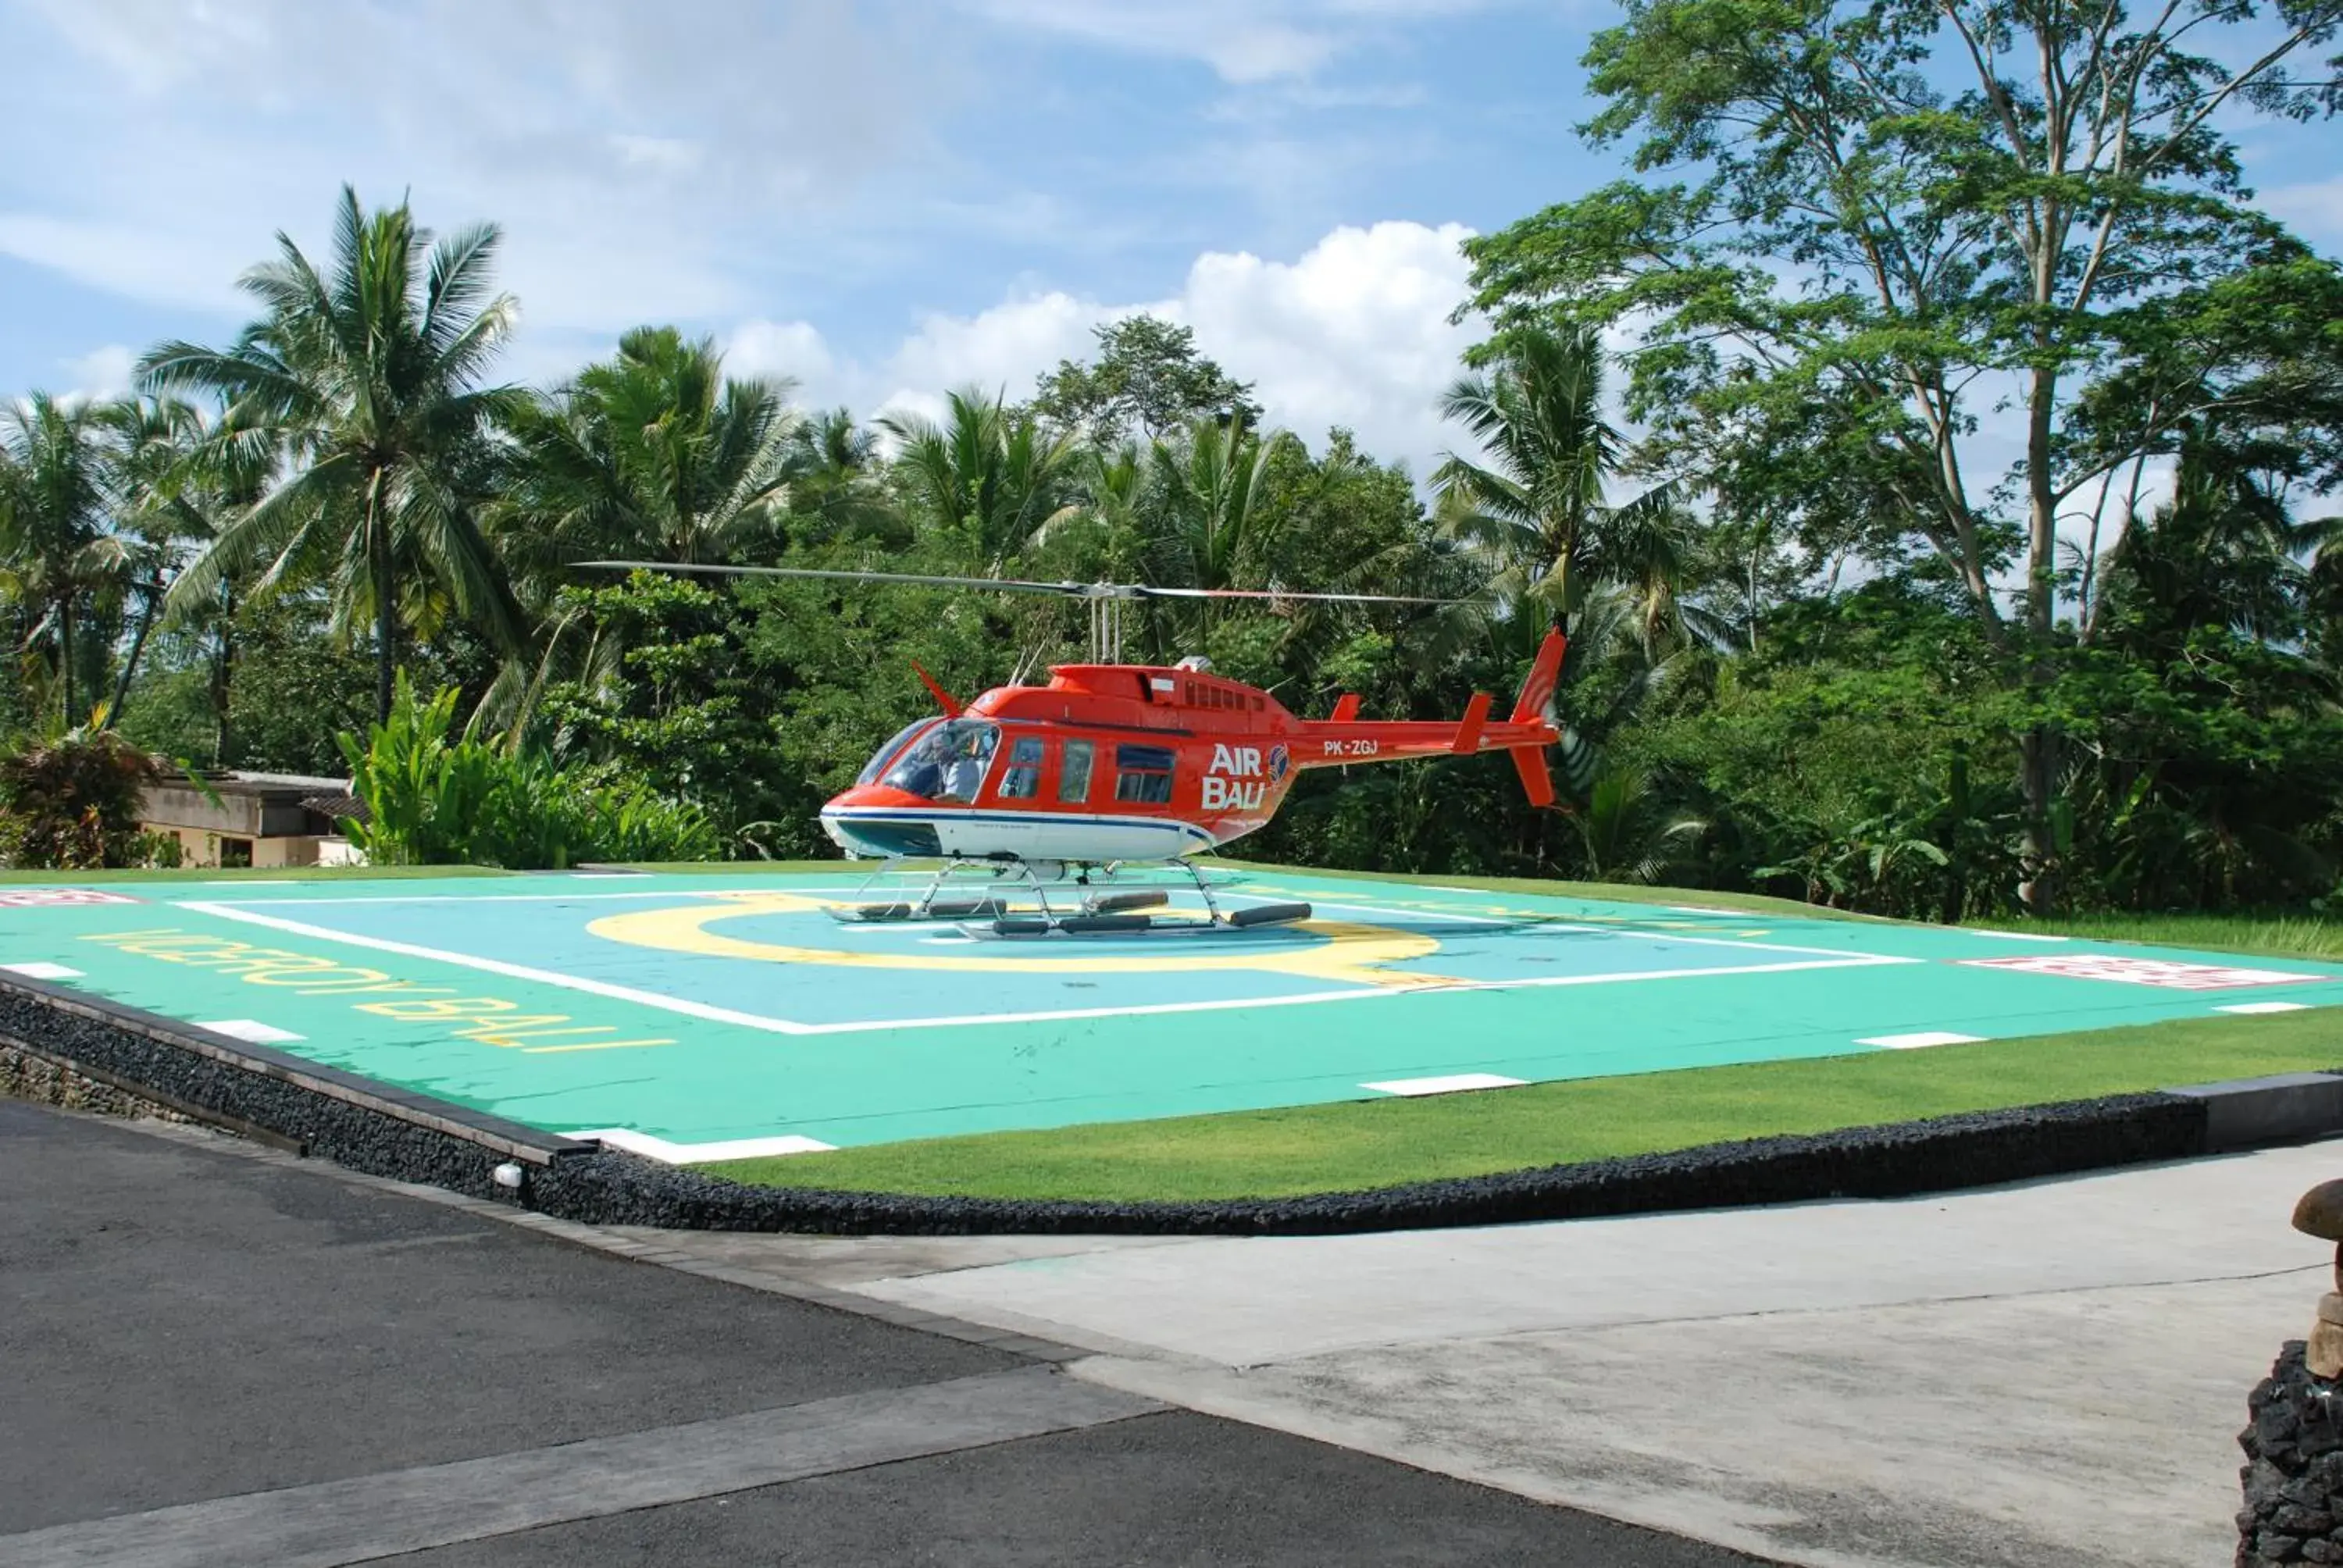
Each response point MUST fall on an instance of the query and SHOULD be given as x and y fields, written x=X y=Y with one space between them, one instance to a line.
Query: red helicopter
x=1114 y=765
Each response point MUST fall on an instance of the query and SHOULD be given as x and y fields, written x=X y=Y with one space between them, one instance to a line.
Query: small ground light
x=509 y=1174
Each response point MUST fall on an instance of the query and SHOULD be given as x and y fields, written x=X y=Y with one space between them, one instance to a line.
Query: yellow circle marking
x=1348 y=953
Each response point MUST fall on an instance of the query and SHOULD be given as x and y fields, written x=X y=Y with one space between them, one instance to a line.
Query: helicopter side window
x=1023 y=781
x=1074 y=773
x=947 y=762
x=1143 y=775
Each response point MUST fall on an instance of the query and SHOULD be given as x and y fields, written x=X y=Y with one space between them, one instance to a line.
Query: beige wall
x=200 y=847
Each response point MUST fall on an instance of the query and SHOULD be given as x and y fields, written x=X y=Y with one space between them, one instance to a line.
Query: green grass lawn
x=1382 y=1143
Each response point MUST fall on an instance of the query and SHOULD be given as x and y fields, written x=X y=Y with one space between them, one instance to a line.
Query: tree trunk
x=224 y=677
x=130 y=665
x=65 y=658
x=2038 y=766
x=386 y=608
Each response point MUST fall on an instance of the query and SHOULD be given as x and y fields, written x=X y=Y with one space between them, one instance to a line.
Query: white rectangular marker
x=251 y=1031
x=2264 y=1007
x=1451 y=1084
x=652 y=1148
x=42 y=971
x=1926 y=1038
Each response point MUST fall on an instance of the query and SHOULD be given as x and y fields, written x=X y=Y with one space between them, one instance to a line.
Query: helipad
x=711 y=1016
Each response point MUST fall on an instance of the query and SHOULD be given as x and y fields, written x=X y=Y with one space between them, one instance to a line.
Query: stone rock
x=2320 y=1212
x=2299 y=1520
x=2321 y=1551
x=2275 y=1548
x=2324 y=1355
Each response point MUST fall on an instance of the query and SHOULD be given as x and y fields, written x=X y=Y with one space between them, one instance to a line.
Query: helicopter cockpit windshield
x=946 y=763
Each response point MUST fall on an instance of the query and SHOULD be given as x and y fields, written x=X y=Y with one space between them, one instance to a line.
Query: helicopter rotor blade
x=1281 y=594
x=913 y=579
x=1010 y=584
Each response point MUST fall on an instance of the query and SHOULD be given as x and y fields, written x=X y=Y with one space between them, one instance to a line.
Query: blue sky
x=882 y=200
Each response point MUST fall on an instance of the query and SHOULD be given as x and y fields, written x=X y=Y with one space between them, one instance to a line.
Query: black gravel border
x=385 y=1131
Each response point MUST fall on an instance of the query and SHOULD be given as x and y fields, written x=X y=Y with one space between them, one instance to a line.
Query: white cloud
x=99 y=375
x=1245 y=42
x=779 y=350
x=638 y=171
x=1353 y=332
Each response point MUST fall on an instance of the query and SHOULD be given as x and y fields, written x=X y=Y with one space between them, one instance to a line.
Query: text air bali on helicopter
x=1113 y=765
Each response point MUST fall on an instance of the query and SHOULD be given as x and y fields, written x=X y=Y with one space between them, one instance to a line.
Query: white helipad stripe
x=251 y=1030
x=512 y=971
x=1452 y=1083
x=652 y=1148
x=1925 y=1038
x=2012 y=935
x=2264 y=1007
x=42 y=971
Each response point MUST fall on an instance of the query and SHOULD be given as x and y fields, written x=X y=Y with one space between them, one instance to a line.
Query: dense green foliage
x=1929 y=450
x=436 y=796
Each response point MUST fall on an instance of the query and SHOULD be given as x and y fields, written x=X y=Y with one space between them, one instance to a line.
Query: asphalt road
x=212 y=1358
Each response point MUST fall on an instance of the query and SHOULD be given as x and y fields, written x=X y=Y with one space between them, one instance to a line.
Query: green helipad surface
x=717 y=1016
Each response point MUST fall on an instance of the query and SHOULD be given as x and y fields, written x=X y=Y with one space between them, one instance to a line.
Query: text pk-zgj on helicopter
x=1114 y=765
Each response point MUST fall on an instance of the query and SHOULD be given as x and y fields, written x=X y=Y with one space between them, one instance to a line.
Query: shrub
x=437 y=798
x=71 y=802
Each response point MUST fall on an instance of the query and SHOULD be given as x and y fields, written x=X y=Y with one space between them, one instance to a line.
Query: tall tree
x=653 y=454
x=59 y=552
x=1149 y=381
x=1212 y=531
x=371 y=374
x=1917 y=208
x=986 y=480
x=1537 y=508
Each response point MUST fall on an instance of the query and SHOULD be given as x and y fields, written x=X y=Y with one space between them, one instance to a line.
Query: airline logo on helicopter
x=1236 y=782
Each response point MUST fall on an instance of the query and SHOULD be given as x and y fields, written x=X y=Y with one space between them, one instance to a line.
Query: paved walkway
x=2047 y=1372
x=217 y=1356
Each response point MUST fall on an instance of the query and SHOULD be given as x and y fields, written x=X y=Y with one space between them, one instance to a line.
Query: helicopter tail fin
x=1346 y=708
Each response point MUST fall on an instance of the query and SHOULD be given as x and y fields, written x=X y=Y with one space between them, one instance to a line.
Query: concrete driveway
x=2047 y=1372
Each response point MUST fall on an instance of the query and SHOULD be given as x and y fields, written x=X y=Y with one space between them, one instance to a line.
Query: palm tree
x=1209 y=484
x=58 y=549
x=371 y=377
x=836 y=485
x=654 y=455
x=1535 y=508
x=987 y=480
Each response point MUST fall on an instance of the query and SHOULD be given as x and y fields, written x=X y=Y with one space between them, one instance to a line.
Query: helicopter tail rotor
x=1536 y=705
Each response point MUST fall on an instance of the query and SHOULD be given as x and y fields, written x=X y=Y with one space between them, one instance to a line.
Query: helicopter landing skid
x=1093 y=911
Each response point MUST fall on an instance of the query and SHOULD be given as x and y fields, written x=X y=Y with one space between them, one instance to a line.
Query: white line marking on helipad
x=511 y=971
x=865 y=1026
x=2264 y=1007
x=1452 y=1084
x=1925 y=1038
x=2011 y=936
x=251 y=1031
x=42 y=971
x=652 y=1148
